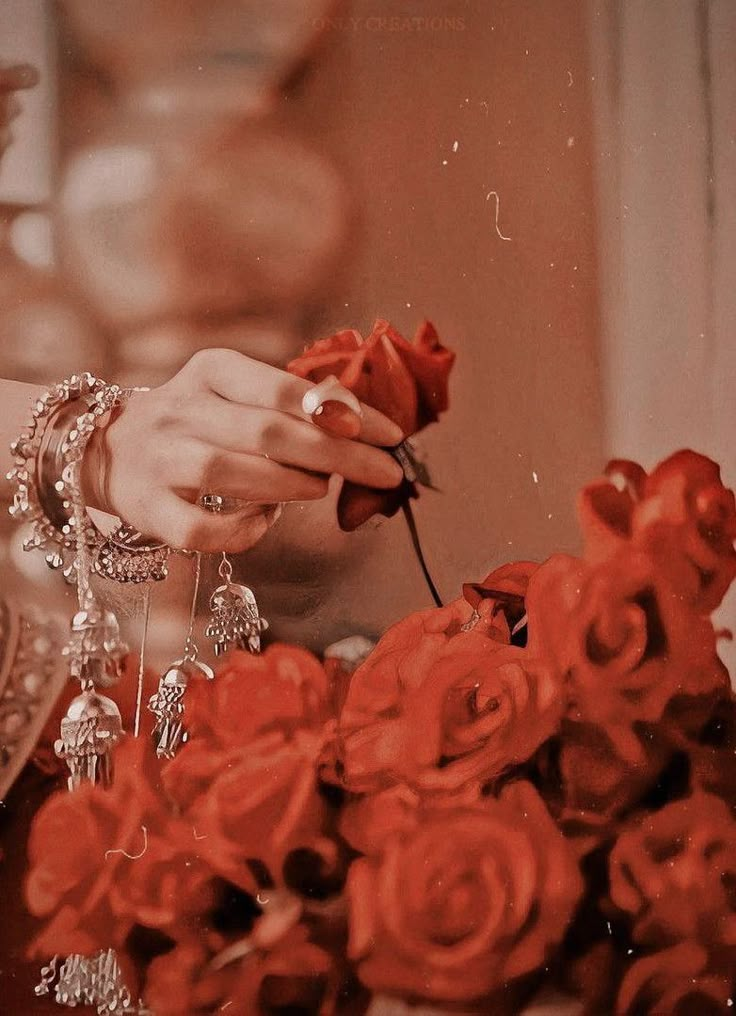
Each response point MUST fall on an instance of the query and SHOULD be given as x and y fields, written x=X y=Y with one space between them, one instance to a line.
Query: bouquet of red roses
x=531 y=786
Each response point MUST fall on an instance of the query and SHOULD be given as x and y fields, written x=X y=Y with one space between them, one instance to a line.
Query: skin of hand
x=227 y=425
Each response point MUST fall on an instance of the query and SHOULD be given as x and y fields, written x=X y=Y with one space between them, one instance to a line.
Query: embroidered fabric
x=32 y=676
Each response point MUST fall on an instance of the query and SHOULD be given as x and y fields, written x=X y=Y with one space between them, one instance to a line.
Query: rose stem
x=411 y=523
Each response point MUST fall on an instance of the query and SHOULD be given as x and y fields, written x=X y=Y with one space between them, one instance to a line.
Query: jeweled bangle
x=28 y=502
x=50 y=464
x=45 y=495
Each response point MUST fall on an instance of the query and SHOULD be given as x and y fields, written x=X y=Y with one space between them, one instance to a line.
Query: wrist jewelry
x=92 y=725
x=41 y=453
x=38 y=501
x=47 y=474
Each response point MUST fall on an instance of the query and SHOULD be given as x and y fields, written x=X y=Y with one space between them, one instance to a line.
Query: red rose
x=626 y=638
x=367 y=822
x=681 y=514
x=407 y=381
x=703 y=728
x=177 y=983
x=674 y=874
x=282 y=688
x=507 y=587
x=589 y=786
x=606 y=508
x=257 y=802
x=437 y=705
x=687 y=521
x=464 y=902
x=291 y=974
x=101 y=861
x=675 y=980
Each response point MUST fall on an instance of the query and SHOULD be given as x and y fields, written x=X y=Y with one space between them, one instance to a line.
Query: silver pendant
x=235 y=619
x=89 y=732
x=167 y=704
x=95 y=649
x=90 y=980
x=126 y=556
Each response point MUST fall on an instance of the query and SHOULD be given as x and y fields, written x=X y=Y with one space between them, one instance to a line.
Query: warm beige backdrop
x=426 y=123
x=426 y=119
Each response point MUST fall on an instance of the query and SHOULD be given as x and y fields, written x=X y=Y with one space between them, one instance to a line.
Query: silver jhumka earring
x=167 y=704
x=235 y=619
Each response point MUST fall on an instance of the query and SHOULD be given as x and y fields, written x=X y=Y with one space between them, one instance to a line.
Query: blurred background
x=551 y=182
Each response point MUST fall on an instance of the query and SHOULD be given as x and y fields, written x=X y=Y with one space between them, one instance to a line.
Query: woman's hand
x=227 y=425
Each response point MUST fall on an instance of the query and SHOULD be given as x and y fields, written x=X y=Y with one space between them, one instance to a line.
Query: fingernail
x=338 y=419
x=394 y=433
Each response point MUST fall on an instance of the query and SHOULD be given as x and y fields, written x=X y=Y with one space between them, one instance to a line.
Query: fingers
x=188 y=527
x=248 y=382
x=246 y=477
x=289 y=441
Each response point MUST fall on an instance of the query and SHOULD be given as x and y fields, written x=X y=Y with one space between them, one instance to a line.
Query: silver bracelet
x=29 y=501
x=42 y=494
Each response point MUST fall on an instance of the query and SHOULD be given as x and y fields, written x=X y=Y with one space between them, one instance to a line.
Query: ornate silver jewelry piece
x=95 y=650
x=235 y=618
x=41 y=497
x=92 y=725
x=90 y=980
x=90 y=730
x=29 y=499
x=167 y=704
x=127 y=556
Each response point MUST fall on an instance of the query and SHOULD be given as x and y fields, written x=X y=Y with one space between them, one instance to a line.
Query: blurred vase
x=258 y=44
x=44 y=333
x=150 y=356
x=172 y=214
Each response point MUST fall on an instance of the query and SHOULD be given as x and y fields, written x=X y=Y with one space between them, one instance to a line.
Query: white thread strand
x=190 y=649
x=494 y=194
x=131 y=857
x=141 y=663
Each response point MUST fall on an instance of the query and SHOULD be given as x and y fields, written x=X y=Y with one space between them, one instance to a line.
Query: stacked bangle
x=37 y=500
x=62 y=422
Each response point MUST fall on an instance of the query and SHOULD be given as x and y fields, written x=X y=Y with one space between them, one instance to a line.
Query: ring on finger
x=219 y=505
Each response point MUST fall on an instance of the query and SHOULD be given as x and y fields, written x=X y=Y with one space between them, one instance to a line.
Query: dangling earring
x=235 y=619
x=167 y=704
x=92 y=725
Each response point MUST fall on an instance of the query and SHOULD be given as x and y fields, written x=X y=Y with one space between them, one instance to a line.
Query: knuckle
x=166 y=414
x=204 y=362
x=270 y=432
x=216 y=462
x=285 y=390
x=201 y=464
